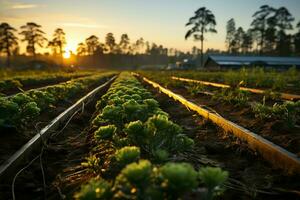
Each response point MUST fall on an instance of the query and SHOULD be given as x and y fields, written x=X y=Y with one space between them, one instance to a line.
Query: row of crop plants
x=253 y=77
x=288 y=112
x=17 y=82
x=18 y=110
x=134 y=143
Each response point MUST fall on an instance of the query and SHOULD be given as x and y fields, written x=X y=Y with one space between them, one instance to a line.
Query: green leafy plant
x=136 y=132
x=126 y=101
x=152 y=104
x=177 y=179
x=92 y=163
x=10 y=84
x=133 y=180
x=288 y=112
x=233 y=96
x=156 y=134
x=161 y=155
x=133 y=111
x=105 y=132
x=17 y=111
x=99 y=121
x=8 y=112
x=22 y=108
x=113 y=114
x=127 y=155
x=21 y=99
x=18 y=79
x=95 y=189
x=269 y=94
x=213 y=178
x=29 y=111
x=166 y=135
x=150 y=134
x=43 y=99
x=195 y=89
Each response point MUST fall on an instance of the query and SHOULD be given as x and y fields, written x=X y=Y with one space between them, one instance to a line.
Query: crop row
x=17 y=110
x=288 y=112
x=13 y=83
x=254 y=77
x=134 y=144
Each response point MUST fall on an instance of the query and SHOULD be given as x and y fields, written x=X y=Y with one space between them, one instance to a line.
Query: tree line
x=267 y=34
x=34 y=37
x=92 y=45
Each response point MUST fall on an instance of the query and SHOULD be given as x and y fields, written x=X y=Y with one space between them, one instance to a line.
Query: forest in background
x=268 y=34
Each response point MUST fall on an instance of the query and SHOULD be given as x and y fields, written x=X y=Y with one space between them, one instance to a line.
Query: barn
x=236 y=62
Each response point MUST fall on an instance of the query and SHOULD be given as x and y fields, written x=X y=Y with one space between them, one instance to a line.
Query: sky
x=159 y=21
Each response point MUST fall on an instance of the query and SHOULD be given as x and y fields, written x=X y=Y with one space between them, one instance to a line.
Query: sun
x=67 y=54
x=70 y=48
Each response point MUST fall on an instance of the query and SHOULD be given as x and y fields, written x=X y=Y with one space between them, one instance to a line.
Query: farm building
x=233 y=62
x=189 y=63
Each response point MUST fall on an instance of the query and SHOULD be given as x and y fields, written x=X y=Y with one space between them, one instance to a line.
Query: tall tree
x=147 y=44
x=33 y=35
x=297 y=40
x=284 y=21
x=238 y=38
x=110 y=42
x=100 y=49
x=230 y=32
x=284 y=44
x=247 y=41
x=8 y=41
x=58 y=42
x=270 y=36
x=92 y=44
x=139 y=45
x=202 y=22
x=81 y=49
x=162 y=50
x=259 y=24
x=124 y=43
x=154 y=50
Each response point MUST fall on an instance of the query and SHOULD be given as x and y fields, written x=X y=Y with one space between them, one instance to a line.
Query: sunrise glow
x=69 y=49
x=67 y=55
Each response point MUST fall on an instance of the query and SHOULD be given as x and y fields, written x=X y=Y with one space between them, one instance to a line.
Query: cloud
x=10 y=18
x=81 y=25
x=23 y=6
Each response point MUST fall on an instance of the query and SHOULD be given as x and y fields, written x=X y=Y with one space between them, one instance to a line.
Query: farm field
x=149 y=100
x=13 y=82
x=270 y=80
x=132 y=141
x=23 y=114
x=266 y=114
